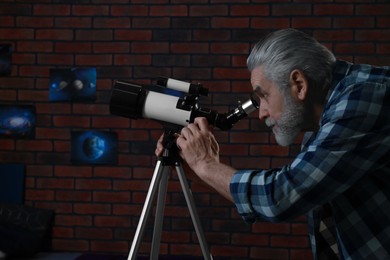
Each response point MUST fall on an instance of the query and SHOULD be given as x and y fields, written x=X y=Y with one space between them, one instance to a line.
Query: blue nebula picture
x=75 y=84
x=17 y=121
x=94 y=147
x=5 y=59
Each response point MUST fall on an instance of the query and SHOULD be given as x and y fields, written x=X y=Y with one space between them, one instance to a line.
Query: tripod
x=159 y=182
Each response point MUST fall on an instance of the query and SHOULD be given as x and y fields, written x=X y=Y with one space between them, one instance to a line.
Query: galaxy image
x=17 y=121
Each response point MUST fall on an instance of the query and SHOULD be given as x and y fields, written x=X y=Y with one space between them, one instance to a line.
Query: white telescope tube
x=163 y=107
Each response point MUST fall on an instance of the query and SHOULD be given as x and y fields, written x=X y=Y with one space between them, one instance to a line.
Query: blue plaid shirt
x=345 y=165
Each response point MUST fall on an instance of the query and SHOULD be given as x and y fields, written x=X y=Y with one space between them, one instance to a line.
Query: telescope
x=179 y=109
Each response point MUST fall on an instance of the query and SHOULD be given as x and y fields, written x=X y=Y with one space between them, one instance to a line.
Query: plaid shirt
x=344 y=166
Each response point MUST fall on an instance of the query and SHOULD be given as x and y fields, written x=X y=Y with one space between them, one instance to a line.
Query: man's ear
x=299 y=85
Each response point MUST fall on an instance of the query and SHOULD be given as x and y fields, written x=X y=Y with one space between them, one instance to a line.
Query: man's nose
x=263 y=111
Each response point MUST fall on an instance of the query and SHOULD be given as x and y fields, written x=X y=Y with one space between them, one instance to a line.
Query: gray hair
x=285 y=50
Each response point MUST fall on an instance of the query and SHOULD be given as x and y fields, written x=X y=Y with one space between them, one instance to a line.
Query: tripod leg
x=158 y=221
x=146 y=211
x=194 y=215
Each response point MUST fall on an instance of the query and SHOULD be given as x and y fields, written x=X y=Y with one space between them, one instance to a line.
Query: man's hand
x=199 y=149
x=197 y=145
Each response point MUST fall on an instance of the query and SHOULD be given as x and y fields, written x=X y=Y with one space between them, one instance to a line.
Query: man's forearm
x=218 y=176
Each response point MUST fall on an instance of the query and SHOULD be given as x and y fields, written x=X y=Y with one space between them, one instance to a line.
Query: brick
x=270 y=23
x=114 y=246
x=317 y=22
x=73 y=22
x=7 y=21
x=8 y=95
x=353 y=22
x=66 y=245
x=16 y=34
x=291 y=241
x=229 y=22
x=192 y=22
x=50 y=133
x=269 y=253
x=53 y=10
x=106 y=122
x=208 y=10
x=268 y=150
x=334 y=35
x=111 y=22
x=88 y=184
x=112 y=221
x=109 y=172
x=62 y=232
x=72 y=47
x=34 y=145
x=73 y=171
x=250 y=240
x=94 y=233
x=38 y=46
x=169 y=10
x=37 y=195
x=23 y=59
x=373 y=35
x=92 y=209
x=150 y=47
x=291 y=10
x=333 y=9
x=39 y=170
x=211 y=35
x=71 y=121
x=94 y=35
x=250 y=10
x=55 y=59
x=54 y=183
x=15 y=9
x=129 y=10
x=74 y=196
x=62 y=146
x=114 y=47
x=90 y=10
x=230 y=48
x=151 y=22
x=373 y=9
x=132 y=35
x=354 y=48
x=227 y=73
x=54 y=34
x=91 y=60
x=39 y=22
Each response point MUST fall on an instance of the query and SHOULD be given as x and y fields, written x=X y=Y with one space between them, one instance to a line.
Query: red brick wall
x=97 y=207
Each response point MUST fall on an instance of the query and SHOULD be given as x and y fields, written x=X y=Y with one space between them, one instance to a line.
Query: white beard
x=287 y=128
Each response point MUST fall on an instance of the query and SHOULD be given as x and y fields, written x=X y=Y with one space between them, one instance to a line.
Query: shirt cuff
x=240 y=189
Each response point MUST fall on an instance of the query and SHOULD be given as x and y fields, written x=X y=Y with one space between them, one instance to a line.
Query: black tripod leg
x=158 y=220
x=194 y=215
x=158 y=171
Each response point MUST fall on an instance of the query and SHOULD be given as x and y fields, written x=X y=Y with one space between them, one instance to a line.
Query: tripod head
x=170 y=154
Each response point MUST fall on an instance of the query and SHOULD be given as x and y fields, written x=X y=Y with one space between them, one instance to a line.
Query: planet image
x=93 y=147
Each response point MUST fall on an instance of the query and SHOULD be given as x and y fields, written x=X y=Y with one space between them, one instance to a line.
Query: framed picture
x=75 y=84
x=94 y=147
x=17 y=121
x=5 y=59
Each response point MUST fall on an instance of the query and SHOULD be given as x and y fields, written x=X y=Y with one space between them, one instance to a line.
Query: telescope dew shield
x=127 y=100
